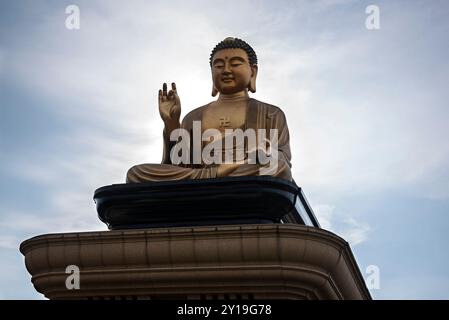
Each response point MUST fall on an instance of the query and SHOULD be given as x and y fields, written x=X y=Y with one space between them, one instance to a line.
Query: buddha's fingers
x=160 y=95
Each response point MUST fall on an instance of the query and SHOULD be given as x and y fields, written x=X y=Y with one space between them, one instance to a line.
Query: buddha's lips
x=227 y=79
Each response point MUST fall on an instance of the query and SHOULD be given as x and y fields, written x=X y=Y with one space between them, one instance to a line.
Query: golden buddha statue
x=234 y=72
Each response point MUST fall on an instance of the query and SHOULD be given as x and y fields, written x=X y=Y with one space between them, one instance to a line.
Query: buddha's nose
x=226 y=69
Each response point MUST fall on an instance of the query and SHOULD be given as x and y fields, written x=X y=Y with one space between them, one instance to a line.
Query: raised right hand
x=169 y=106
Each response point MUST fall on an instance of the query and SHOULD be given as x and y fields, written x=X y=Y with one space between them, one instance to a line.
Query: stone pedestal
x=231 y=200
x=262 y=261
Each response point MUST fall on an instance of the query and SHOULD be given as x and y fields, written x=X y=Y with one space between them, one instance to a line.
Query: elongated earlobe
x=252 y=85
x=252 y=82
x=214 y=91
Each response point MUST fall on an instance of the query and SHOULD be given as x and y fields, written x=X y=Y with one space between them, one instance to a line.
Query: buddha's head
x=234 y=67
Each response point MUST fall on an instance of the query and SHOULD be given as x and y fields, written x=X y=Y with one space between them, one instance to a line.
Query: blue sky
x=367 y=112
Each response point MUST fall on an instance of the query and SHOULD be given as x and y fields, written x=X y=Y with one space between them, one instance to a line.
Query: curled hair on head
x=235 y=43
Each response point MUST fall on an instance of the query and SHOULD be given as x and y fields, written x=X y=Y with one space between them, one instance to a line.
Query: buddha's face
x=231 y=71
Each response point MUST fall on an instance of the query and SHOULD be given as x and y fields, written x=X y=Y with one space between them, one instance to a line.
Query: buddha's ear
x=214 y=91
x=252 y=82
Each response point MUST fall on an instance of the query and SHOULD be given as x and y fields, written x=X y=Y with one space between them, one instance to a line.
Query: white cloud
x=355 y=232
x=350 y=229
x=9 y=242
x=324 y=214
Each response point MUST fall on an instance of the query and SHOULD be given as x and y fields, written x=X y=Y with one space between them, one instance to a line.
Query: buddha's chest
x=224 y=116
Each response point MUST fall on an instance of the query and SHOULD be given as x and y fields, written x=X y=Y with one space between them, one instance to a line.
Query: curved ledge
x=230 y=200
x=255 y=261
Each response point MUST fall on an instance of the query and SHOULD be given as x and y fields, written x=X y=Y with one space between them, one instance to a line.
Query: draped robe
x=259 y=115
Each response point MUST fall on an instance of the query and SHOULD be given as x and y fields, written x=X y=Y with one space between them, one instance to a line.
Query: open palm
x=169 y=104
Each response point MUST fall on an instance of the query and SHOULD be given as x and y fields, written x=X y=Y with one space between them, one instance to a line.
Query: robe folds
x=259 y=115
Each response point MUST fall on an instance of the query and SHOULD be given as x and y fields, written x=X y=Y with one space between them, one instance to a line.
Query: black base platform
x=238 y=200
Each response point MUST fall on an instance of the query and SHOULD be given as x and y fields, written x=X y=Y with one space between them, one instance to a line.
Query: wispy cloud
x=355 y=232
x=349 y=228
x=9 y=242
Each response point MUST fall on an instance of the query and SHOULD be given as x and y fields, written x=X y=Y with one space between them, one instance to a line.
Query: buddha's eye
x=219 y=66
x=236 y=64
